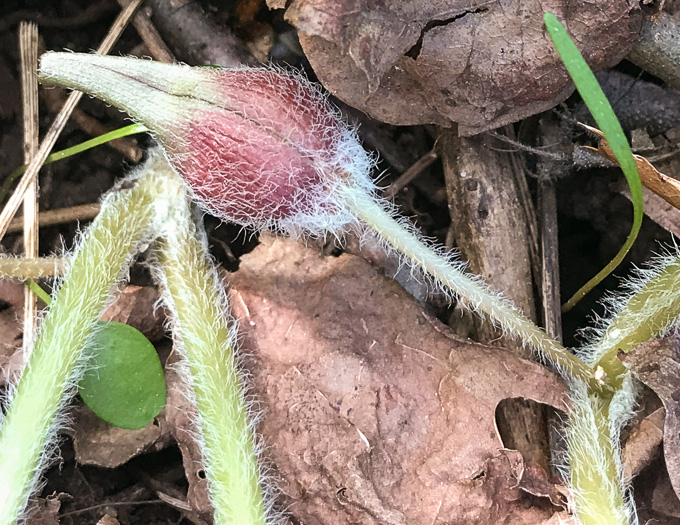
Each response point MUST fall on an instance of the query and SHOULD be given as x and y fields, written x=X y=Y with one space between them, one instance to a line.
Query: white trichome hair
x=601 y=494
x=205 y=334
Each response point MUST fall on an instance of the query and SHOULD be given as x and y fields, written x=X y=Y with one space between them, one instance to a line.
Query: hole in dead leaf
x=513 y=416
x=341 y=495
x=479 y=475
x=201 y=474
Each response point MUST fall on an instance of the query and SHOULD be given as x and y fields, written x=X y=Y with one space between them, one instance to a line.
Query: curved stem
x=596 y=101
x=197 y=301
x=52 y=371
x=474 y=293
x=648 y=312
x=610 y=267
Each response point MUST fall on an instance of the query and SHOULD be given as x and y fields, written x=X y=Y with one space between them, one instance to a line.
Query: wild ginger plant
x=35 y=407
x=264 y=149
x=154 y=208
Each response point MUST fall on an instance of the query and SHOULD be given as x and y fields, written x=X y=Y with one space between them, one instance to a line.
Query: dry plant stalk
x=53 y=133
x=28 y=45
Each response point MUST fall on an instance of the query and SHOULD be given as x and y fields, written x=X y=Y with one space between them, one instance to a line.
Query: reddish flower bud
x=259 y=147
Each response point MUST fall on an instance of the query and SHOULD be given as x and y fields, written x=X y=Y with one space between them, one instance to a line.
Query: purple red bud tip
x=259 y=147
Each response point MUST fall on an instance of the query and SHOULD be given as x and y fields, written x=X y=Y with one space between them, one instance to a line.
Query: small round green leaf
x=124 y=383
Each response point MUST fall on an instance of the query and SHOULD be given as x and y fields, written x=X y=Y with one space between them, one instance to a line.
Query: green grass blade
x=604 y=116
x=132 y=129
x=37 y=290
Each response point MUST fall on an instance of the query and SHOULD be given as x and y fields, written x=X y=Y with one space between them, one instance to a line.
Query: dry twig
x=28 y=44
x=58 y=125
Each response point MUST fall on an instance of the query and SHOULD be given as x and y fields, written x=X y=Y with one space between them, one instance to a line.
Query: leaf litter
x=657 y=364
x=309 y=496
x=477 y=63
x=373 y=412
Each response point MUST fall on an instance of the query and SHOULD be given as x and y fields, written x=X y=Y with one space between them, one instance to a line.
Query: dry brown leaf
x=535 y=480
x=136 y=306
x=657 y=364
x=657 y=209
x=643 y=444
x=46 y=511
x=11 y=357
x=375 y=414
x=664 y=186
x=107 y=519
x=481 y=64
x=12 y=292
x=100 y=444
x=180 y=414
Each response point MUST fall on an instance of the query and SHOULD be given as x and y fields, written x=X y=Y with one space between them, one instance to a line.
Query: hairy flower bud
x=259 y=147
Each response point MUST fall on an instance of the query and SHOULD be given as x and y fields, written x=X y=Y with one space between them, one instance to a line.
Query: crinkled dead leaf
x=657 y=364
x=643 y=444
x=481 y=64
x=664 y=186
x=100 y=444
x=180 y=415
x=657 y=209
x=46 y=511
x=136 y=306
x=11 y=357
x=374 y=413
x=536 y=481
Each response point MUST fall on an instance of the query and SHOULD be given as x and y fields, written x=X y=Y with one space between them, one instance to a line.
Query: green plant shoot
x=124 y=383
x=119 y=133
x=604 y=116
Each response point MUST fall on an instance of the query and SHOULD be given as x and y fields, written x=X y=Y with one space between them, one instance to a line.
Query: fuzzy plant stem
x=49 y=378
x=594 y=466
x=650 y=308
x=648 y=312
x=474 y=293
x=198 y=305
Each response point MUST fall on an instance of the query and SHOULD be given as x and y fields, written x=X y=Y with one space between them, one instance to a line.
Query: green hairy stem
x=597 y=487
x=473 y=292
x=52 y=372
x=648 y=312
x=197 y=301
x=650 y=308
